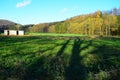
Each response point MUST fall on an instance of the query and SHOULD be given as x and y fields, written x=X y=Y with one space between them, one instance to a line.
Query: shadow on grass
x=56 y=64
x=76 y=71
x=53 y=68
x=109 y=56
x=36 y=70
x=108 y=64
x=63 y=48
x=45 y=68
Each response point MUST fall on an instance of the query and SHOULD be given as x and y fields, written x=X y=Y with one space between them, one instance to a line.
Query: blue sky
x=40 y=11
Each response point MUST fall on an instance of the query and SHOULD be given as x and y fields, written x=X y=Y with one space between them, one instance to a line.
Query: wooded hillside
x=97 y=23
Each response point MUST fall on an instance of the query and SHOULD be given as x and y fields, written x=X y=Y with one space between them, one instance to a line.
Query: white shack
x=14 y=32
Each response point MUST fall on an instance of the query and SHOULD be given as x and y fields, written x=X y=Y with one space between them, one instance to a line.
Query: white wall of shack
x=12 y=32
x=20 y=32
x=5 y=32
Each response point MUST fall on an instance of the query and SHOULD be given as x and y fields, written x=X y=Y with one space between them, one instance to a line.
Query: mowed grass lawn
x=59 y=58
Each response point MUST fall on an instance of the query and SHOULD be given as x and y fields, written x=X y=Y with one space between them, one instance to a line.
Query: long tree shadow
x=76 y=71
x=36 y=70
x=56 y=64
x=45 y=68
x=63 y=48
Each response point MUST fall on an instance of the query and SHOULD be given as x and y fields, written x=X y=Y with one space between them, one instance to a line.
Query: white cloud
x=64 y=10
x=24 y=3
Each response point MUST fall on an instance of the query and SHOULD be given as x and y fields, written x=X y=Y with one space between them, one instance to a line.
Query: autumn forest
x=98 y=23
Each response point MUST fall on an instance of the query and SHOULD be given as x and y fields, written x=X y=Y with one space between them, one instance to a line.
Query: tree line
x=98 y=23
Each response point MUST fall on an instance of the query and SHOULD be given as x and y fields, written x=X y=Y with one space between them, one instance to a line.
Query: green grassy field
x=59 y=58
x=54 y=34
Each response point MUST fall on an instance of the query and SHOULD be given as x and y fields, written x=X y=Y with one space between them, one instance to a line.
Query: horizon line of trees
x=97 y=23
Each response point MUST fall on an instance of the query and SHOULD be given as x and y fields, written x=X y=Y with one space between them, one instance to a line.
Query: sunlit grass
x=37 y=57
x=54 y=34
